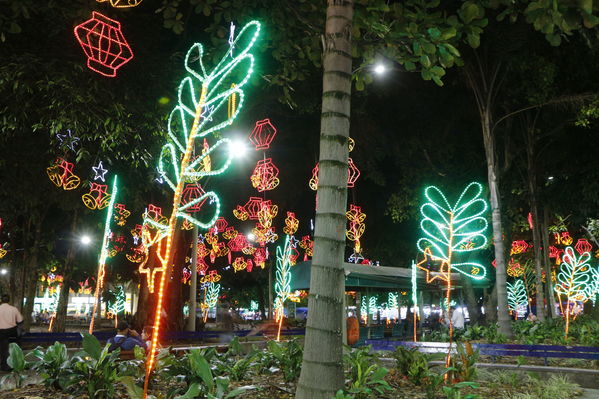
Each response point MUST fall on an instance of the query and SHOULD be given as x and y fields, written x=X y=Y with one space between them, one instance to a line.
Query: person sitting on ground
x=126 y=339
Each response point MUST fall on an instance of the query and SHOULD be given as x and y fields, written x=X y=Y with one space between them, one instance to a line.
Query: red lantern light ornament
x=582 y=246
x=263 y=134
x=265 y=174
x=104 y=44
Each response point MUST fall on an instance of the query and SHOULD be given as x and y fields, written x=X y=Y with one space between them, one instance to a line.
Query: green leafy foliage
x=366 y=377
x=454 y=391
x=16 y=361
x=52 y=364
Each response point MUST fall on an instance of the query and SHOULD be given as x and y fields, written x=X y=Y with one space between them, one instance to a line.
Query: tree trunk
x=536 y=226
x=471 y=300
x=63 y=299
x=503 y=317
x=322 y=367
x=145 y=300
x=547 y=263
x=490 y=304
x=32 y=276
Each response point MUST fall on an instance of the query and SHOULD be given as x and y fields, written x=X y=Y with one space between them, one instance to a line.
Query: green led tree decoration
x=118 y=306
x=593 y=287
x=451 y=231
x=201 y=110
x=212 y=293
x=282 y=282
x=415 y=296
x=516 y=296
x=573 y=280
x=103 y=253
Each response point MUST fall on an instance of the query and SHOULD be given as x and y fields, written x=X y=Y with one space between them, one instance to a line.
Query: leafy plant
x=454 y=391
x=288 y=356
x=412 y=363
x=94 y=370
x=464 y=363
x=366 y=377
x=52 y=365
x=342 y=395
x=16 y=361
x=432 y=382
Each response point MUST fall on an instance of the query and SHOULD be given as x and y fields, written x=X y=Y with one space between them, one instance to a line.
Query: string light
x=308 y=246
x=264 y=177
x=230 y=233
x=104 y=44
x=189 y=122
x=356 y=226
x=211 y=277
x=99 y=171
x=573 y=280
x=61 y=174
x=122 y=3
x=448 y=227
x=103 y=253
x=118 y=306
x=516 y=296
x=99 y=200
x=68 y=140
x=240 y=213
x=263 y=134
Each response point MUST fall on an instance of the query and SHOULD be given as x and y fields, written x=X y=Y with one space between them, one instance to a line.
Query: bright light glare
x=251 y=237
x=3 y=271
x=380 y=69
x=238 y=148
x=85 y=240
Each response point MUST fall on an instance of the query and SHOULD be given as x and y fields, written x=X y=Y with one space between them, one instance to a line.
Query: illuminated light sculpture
x=238 y=243
x=232 y=103
x=99 y=171
x=186 y=123
x=137 y=256
x=68 y=140
x=265 y=175
x=212 y=292
x=414 y=297
x=103 y=253
x=353 y=173
x=563 y=238
x=240 y=213
x=3 y=252
x=239 y=264
x=211 y=277
x=573 y=280
x=282 y=282
x=582 y=246
x=530 y=222
x=291 y=224
x=122 y=3
x=260 y=257
x=230 y=233
x=103 y=44
x=308 y=246
x=356 y=218
x=61 y=174
x=255 y=204
x=516 y=296
x=447 y=227
x=97 y=198
x=518 y=247
x=263 y=134
x=118 y=306
x=593 y=287
x=221 y=224
x=514 y=269
x=190 y=193
x=53 y=307
x=121 y=215
x=248 y=249
x=186 y=275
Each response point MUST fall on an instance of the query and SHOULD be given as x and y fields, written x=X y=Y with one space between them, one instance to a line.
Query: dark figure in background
x=126 y=338
x=10 y=318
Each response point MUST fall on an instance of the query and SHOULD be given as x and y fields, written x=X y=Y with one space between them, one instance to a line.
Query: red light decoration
x=352 y=175
x=97 y=198
x=240 y=213
x=190 y=193
x=530 y=223
x=514 y=269
x=356 y=218
x=122 y=3
x=518 y=247
x=563 y=239
x=230 y=233
x=260 y=257
x=291 y=224
x=307 y=245
x=238 y=243
x=186 y=276
x=582 y=246
x=263 y=134
x=250 y=266
x=122 y=214
x=254 y=205
x=211 y=277
x=104 y=44
x=264 y=177
x=239 y=264
x=137 y=256
x=221 y=224
x=61 y=174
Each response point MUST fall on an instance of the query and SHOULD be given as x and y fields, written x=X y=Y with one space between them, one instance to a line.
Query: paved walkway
x=590 y=394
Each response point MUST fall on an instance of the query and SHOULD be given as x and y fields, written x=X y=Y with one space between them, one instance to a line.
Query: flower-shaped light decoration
x=356 y=218
x=104 y=44
x=518 y=247
x=291 y=224
x=239 y=264
x=514 y=269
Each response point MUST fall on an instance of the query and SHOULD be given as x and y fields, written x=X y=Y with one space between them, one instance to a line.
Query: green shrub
x=366 y=377
x=53 y=365
x=287 y=356
x=16 y=361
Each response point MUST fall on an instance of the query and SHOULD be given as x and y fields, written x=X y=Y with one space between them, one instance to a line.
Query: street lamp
x=238 y=148
x=3 y=271
x=380 y=68
x=251 y=237
x=86 y=240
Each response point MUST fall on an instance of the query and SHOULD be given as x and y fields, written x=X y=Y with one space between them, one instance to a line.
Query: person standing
x=457 y=318
x=10 y=317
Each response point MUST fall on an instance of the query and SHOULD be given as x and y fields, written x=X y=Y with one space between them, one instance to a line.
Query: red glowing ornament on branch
x=240 y=213
x=221 y=224
x=238 y=243
x=254 y=205
x=122 y=3
x=97 y=198
x=190 y=193
x=122 y=214
x=582 y=246
x=291 y=224
x=239 y=264
x=104 y=44
x=263 y=134
x=264 y=177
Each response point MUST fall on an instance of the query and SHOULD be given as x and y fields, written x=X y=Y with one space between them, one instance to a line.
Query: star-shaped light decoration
x=293 y=241
x=68 y=139
x=99 y=171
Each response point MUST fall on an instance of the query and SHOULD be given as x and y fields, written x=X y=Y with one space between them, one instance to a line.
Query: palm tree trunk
x=547 y=263
x=63 y=299
x=322 y=367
